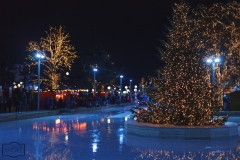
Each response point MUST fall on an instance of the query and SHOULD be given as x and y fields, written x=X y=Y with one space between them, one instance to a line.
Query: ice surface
x=100 y=135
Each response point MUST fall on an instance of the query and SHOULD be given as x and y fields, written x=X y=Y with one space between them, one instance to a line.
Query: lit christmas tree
x=182 y=94
x=220 y=27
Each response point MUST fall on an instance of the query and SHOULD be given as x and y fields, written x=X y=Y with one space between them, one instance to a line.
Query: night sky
x=129 y=29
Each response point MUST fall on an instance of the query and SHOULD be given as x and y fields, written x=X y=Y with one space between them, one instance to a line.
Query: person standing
x=1 y=103
x=51 y=103
x=59 y=103
x=32 y=104
x=16 y=103
x=24 y=102
x=9 y=104
x=46 y=103
x=5 y=102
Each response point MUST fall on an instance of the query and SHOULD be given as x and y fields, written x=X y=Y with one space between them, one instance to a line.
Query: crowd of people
x=19 y=102
x=24 y=103
x=5 y=104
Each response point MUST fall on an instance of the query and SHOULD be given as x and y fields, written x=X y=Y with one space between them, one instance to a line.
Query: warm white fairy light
x=59 y=54
x=182 y=93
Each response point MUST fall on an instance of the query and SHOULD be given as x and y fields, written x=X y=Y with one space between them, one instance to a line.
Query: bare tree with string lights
x=59 y=54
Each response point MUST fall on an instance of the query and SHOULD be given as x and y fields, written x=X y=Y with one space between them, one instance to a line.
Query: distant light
x=38 y=55
x=66 y=137
x=130 y=80
x=57 y=121
x=95 y=69
x=121 y=76
x=94 y=147
x=209 y=60
x=217 y=60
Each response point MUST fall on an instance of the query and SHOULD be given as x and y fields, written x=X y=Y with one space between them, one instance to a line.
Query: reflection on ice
x=101 y=135
x=127 y=117
x=120 y=134
x=163 y=154
x=94 y=147
x=184 y=149
x=183 y=145
x=95 y=140
x=66 y=138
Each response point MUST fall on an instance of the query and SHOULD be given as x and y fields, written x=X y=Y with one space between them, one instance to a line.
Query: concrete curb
x=229 y=129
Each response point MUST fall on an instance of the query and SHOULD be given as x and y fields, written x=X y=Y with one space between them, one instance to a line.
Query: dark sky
x=128 y=29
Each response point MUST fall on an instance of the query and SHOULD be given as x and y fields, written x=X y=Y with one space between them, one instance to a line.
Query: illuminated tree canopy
x=58 y=52
x=182 y=93
x=221 y=31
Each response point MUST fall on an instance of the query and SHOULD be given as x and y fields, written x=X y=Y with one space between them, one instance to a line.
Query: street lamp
x=21 y=86
x=67 y=74
x=121 y=77
x=108 y=95
x=94 y=86
x=135 y=90
x=39 y=57
x=14 y=85
x=213 y=61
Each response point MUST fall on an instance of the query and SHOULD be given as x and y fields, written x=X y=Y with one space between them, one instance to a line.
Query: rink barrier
x=229 y=129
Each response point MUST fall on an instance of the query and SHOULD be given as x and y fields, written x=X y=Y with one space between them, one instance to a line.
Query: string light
x=183 y=94
x=58 y=52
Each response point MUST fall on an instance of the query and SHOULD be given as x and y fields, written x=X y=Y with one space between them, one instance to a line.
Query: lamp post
x=94 y=86
x=108 y=95
x=14 y=85
x=121 y=77
x=21 y=86
x=39 y=57
x=130 y=90
x=67 y=74
x=213 y=61
x=109 y=89
x=135 y=90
